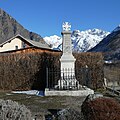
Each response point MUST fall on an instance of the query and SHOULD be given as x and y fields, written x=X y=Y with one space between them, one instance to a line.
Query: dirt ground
x=41 y=106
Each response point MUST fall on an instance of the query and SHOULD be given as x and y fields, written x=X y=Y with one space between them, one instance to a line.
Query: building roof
x=31 y=42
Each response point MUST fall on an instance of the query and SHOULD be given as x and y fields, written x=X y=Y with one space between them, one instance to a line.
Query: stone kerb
x=68 y=92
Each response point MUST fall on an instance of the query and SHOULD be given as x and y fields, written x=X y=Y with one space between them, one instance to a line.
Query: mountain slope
x=9 y=27
x=85 y=40
x=81 y=40
x=110 y=45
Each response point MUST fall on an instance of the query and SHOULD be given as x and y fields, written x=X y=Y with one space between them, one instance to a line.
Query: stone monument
x=68 y=84
x=67 y=59
x=68 y=80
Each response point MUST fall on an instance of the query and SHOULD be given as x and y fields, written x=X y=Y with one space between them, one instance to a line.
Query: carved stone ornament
x=66 y=26
x=67 y=49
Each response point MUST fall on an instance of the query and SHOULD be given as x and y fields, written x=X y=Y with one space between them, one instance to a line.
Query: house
x=19 y=42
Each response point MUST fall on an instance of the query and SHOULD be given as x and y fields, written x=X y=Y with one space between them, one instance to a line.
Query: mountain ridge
x=110 y=45
x=82 y=41
x=101 y=46
x=9 y=27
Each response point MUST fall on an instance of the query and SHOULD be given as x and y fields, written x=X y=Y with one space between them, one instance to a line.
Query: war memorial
x=68 y=84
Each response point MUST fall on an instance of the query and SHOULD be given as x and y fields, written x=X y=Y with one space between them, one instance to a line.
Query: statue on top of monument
x=66 y=26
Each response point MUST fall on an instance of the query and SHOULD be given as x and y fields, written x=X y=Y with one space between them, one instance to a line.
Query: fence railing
x=67 y=78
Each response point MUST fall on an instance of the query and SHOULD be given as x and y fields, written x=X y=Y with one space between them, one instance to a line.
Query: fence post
x=47 y=77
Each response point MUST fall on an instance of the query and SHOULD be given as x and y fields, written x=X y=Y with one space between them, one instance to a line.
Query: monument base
x=68 y=84
x=80 y=93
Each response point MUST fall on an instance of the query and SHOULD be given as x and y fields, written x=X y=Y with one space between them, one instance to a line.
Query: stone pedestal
x=80 y=93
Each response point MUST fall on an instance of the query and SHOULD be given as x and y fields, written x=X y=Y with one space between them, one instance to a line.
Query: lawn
x=44 y=105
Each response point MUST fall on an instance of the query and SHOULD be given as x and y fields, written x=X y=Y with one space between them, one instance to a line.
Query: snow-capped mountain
x=117 y=28
x=53 y=41
x=85 y=40
x=81 y=40
x=110 y=45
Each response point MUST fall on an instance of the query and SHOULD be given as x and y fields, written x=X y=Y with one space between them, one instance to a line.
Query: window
x=16 y=47
x=24 y=45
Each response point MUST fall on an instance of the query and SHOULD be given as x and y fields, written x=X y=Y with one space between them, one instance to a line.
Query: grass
x=42 y=105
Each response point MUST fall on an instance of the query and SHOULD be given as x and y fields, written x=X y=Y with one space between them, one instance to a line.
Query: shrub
x=101 y=109
x=10 y=110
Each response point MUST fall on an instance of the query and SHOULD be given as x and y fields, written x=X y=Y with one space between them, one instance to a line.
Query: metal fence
x=67 y=78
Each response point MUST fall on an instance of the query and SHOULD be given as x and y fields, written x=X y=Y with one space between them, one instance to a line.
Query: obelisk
x=68 y=80
x=67 y=59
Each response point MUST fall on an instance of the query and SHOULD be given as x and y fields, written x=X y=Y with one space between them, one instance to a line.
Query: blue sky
x=45 y=17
